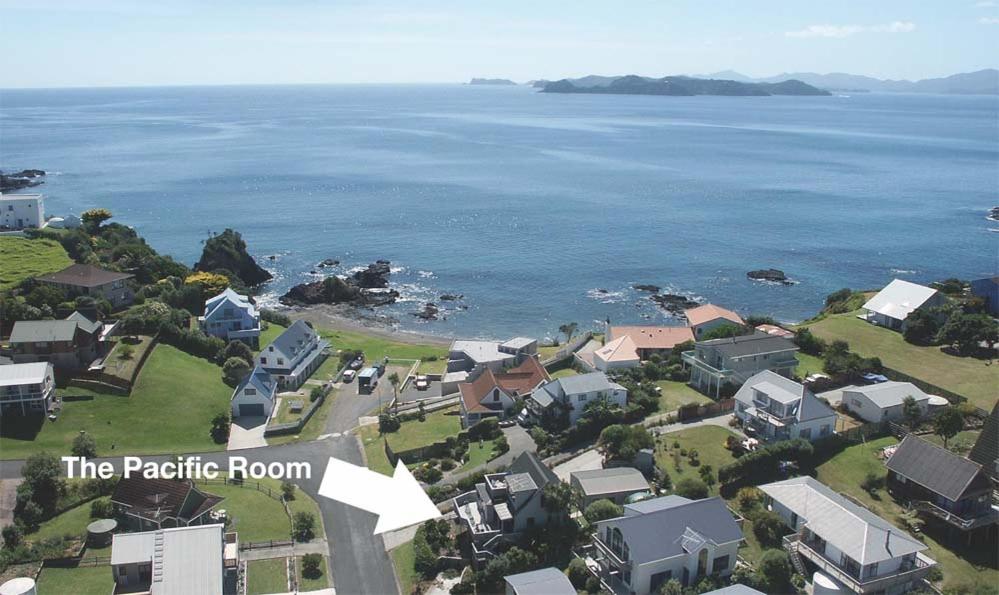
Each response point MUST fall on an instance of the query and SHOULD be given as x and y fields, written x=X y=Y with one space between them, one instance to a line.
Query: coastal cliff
x=227 y=252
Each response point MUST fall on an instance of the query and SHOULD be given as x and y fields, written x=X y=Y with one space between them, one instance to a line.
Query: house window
x=719 y=564
x=249 y=391
x=805 y=433
x=280 y=361
x=855 y=402
x=263 y=361
x=496 y=394
x=824 y=430
x=582 y=398
x=122 y=571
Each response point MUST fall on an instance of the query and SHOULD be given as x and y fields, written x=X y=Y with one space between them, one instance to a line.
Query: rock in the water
x=22 y=179
x=770 y=275
x=375 y=276
x=329 y=262
x=429 y=312
x=451 y=297
x=646 y=287
x=673 y=303
x=272 y=257
x=994 y=214
x=334 y=290
x=227 y=251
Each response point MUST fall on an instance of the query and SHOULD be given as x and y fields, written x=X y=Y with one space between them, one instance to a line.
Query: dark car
x=357 y=363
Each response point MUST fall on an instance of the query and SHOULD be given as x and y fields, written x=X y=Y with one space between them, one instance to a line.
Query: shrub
x=84 y=445
x=427 y=473
x=748 y=498
x=577 y=572
x=220 y=427
x=425 y=560
x=388 y=423
x=592 y=585
x=12 y=535
x=448 y=464
x=303 y=525
x=274 y=317
x=486 y=429
x=234 y=370
x=237 y=349
x=872 y=482
x=764 y=461
x=769 y=528
x=502 y=445
x=601 y=510
x=287 y=490
x=692 y=488
x=773 y=573
x=312 y=565
x=315 y=393
x=101 y=508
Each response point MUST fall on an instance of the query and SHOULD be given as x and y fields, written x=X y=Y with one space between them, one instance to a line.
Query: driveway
x=520 y=442
x=247 y=432
x=587 y=461
x=410 y=394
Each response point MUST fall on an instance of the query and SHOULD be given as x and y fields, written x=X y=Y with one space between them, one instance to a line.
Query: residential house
x=504 y=505
x=614 y=484
x=893 y=304
x=985 y=452
x=294 y=355
x=732 y=361
x=493 y=394
x=546 y=581
x=779 y=408
x=885 y=401
x=26 y=388
x=71 y=344
x=177 y=561
x=148 y=504
x=773 y=329
x=85 y=279
x=466 y=359
x=651 y=340
x=570 y=395
x=941 y=485
x=619 y=354
x=231 y=316
x=709 y=316
x=735 y=589
x=255 y=395
x=988 y=290
x=859 y=550
x=666 y=538
x=21 y=211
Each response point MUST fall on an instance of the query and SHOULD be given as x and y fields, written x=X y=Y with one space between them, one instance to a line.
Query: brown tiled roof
x=157 y=499
x=708 y=312
x=84 y=275
x=654 y=337
x=517 y=381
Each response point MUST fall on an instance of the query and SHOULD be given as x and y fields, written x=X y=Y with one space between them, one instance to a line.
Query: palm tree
x=568 y=329
x=395 y=382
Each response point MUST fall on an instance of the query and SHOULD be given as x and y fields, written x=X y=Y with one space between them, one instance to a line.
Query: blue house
x=988 y=290
x=254 y=397
x=232 y=317
x=294 y=355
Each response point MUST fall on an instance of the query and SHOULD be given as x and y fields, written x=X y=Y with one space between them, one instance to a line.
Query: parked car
x=380 y=367
x=357 y=363
x=507 y=423
x=348 y=375
x=422 y=382
x=872 y=378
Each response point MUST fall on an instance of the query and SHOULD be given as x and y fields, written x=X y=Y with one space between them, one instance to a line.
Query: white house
x=667 y=538
x=179 y=561
x=26 y=388
x=859 y=550
x=571 y=394
x=619 y=354
x=21 y=211
x=231 y=316
x=467 y=358
x=781 y=409
x=733 y=360
x=709 y=316
x=893 y=304
x=254 y=397
x=884 y=401
x=294 y=355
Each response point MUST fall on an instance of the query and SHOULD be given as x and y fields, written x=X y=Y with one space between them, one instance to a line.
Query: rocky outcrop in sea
x=770 y=276
x=365 y=288
x=25 y=178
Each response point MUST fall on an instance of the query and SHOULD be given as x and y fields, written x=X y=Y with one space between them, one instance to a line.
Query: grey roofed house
x=520 y=482
x=518 y=343
x=482 y=351
x=587 y=383
x=43 y=331
x=595 y=483
x=84 y=275
x=546 y=581
x=290 y=342
x=89 y=325
x=528 y=462
x=184 y=560
x=889 y=394
x=749 y=345
x=936 y=468
x=736 y=589
x=985 y=452
x=672 y=528
x=857 y=532
x=655 y=504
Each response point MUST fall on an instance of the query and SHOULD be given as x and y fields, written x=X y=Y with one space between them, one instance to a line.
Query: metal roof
x=184 y=560
x=37 y=331
x=528 y=462
x=899 y=298
x=292 y=341
x=850 y=528
x=596 y=482
x=889 y=394
x=936 y=468
x=748 y=345
x=19 y=374
x=547 y=581
x=84 y=275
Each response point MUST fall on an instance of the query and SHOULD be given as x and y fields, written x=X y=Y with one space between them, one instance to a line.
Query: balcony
x=987 y=517
x=917 y=571
x=690 y=357
x=230 y=551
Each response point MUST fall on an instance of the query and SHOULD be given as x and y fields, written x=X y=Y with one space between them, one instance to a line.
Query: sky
x=74 y=43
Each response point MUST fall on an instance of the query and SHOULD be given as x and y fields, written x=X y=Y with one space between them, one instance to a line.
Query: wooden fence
x=569 y=348
x=694 y=411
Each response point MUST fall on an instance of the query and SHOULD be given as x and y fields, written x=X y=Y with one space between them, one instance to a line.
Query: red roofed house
x=651 y=339
x=149 y=504
x=492 y=394
x=704 y=318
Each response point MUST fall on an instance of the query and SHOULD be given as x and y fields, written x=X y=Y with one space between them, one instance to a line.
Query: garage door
x=256 y=410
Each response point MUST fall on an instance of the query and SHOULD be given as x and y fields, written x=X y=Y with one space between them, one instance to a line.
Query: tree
x=948 y=423
x=287 y=490
x=84 y=445
x=559 y=498
x=220 y=427
x=671 y=587
x=808 y=342
x=707 y=474
x=768 y=527
x=211 y=284
x=303 y=525
x=396 y=383
x=315 y=393
x=312 y=566
x=622 y=442
x=12 y=535
x=577 y=573
x=568 y=329
x=911 y=412
x=692 y=488
x=922 y=326
x=388 y=423
x=93 y=218
x=234 y=370
x=237 y=349
x=724 y=331
x=43 y=477
x=126 y=351
x=773 y=573
x=601 y=510
x=966 y=331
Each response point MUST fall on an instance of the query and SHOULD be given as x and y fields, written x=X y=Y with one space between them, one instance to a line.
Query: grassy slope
x=95 y=580
x=376 y=348
x=267 y=576
x=563 y=373
x=72 y=522
x=256 y=516
x=709 y=441
x=963 y=375
x=437 y=426
x=170 y=411
x=675 y=394
x=846 y=470
x=404 y=560
x=23 y=258
x=807 y=364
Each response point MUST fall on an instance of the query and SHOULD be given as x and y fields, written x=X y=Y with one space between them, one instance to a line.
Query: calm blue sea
x=539 y=209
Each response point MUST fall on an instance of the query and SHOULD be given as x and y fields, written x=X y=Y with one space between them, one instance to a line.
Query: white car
x=422 y=383
x=348 y=375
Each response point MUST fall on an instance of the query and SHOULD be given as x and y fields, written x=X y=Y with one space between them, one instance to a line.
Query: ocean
x=539 y=209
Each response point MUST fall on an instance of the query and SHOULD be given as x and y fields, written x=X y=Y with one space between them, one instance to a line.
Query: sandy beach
x=346 y=318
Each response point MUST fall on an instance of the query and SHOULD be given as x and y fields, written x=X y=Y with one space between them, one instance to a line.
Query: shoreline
x=351 y=319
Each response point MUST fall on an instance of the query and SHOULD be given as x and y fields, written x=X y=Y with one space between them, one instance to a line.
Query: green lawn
x=807 y=364
x=123 y=367
x=285 y=414
x=169 y=411
x=328 y=369
x=96 y=580
x=72 y=522
x=709 y=441
x=675 y=394
x=965 y=376
x=23 y=258
x=314 y=427
x=846 y=470
x=479 y=455
x=404 y=560
x=548 y=351
x=313 y=584
x=437 y=426
x=376 y=348
x=374 y=451
x=255 y=515
x=562 y=373
x=266 y=576
x=270 y=333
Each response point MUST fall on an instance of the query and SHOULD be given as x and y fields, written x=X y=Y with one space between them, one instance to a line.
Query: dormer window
x=263 y=360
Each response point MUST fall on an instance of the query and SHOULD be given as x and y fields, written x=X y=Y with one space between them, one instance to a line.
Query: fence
x=933 y=389
x=694 y=411
x=569 y=348
x=259 y=545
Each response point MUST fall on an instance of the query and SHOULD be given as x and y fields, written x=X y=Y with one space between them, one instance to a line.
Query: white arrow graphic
x=399 y=501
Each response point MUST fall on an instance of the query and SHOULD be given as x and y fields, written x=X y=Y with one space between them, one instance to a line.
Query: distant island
x=676 y=86
x=979 y=82
x=491 y=82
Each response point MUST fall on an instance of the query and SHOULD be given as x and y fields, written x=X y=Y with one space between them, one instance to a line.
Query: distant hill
x=675 y=85
x=981 y=82
x=491 y=82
